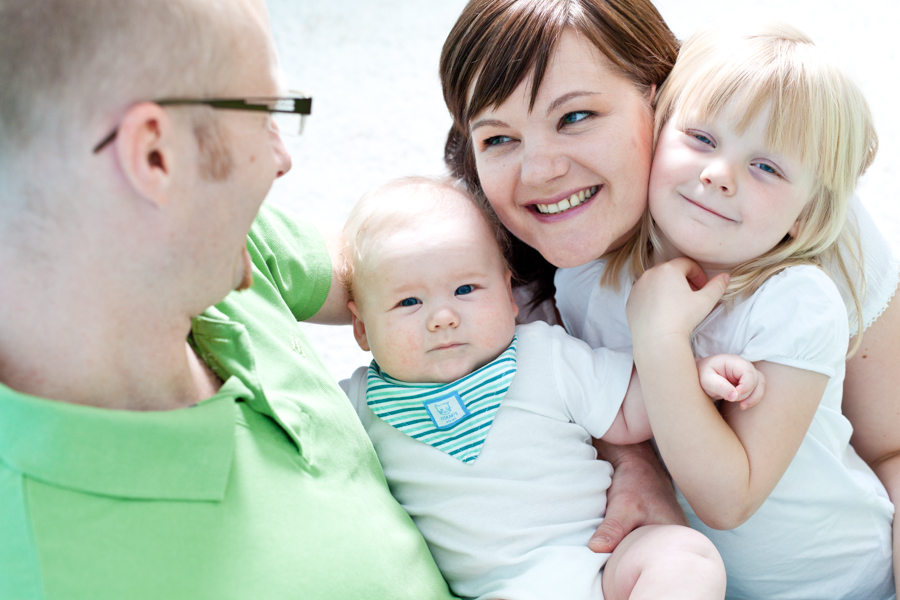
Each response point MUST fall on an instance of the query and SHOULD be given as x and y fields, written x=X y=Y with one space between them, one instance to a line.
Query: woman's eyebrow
x=487 y=123
x=566 y=97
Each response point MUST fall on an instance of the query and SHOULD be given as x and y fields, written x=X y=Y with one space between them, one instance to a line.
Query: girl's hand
x=731 y=378
x=671 y=299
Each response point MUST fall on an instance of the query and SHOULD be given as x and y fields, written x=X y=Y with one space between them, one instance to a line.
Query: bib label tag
x=446 y=411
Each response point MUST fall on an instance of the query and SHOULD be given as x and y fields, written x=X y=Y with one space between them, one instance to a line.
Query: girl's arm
x=725 y=467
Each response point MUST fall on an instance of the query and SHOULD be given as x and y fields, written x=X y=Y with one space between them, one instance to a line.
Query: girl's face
x=722 y=197
x=569 y=177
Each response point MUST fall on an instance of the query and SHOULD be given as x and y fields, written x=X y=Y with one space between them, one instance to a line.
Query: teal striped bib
x=453 y=417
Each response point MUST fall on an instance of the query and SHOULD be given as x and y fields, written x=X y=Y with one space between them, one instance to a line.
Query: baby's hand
x=732 y=378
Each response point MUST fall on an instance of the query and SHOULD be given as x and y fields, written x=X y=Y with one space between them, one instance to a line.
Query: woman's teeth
x=570 y=202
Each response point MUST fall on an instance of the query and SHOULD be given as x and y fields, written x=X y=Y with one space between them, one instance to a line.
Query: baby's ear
x=512 y=298
x=359 y=328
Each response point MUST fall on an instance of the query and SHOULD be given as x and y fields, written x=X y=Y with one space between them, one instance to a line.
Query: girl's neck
x=670 y=252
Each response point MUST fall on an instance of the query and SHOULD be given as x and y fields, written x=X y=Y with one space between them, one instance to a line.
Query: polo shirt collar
x=182 y=454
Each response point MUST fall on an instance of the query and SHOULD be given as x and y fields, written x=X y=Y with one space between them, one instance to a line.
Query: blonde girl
x=759 y=142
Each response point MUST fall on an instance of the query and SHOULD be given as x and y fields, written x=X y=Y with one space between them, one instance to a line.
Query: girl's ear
x=795 y=229
x=359 y=328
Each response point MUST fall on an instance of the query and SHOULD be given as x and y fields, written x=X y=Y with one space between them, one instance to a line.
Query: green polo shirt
x=270 y=489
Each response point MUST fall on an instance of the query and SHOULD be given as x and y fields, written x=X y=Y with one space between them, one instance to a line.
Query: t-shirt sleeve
x=798 y=319
x=879 y=264
x=591 y=382
x=293 y=257
x=591 y=312
x=355 y=388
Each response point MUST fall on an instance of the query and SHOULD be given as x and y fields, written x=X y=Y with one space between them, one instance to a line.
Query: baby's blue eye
x=767 y=168
x=574 y=117
x=464 y=289
x=410 y=302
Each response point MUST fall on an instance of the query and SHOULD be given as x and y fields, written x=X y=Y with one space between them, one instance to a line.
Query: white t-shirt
x=825 y=531
x=515 y=523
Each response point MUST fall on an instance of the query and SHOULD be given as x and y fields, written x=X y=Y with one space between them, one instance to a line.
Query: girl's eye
x=574 y=117
x=464 y=289
x=410 y=302
x=766 y=168
x=703 y=139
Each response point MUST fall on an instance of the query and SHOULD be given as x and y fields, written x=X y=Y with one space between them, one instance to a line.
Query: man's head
x=430 y=285
x=172 y=197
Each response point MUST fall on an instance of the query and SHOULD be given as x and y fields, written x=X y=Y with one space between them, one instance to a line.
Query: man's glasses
x=286 y=115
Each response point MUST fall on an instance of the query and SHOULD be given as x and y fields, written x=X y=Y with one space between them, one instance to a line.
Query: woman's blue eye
x=410 y=302
x=574 y=117
x=497 y=140
x=767 y=168
x=464 y=289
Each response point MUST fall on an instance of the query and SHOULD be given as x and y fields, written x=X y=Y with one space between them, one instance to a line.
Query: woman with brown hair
x=559 y=145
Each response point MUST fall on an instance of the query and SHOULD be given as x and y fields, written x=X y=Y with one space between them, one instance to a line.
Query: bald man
x=161 y=437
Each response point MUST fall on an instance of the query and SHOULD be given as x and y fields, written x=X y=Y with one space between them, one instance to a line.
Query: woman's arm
x=641 y=493
x=872 y=405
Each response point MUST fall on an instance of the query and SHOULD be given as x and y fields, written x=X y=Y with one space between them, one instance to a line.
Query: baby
x=484 y=427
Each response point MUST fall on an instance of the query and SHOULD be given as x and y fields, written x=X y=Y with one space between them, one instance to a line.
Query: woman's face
x=569 y=177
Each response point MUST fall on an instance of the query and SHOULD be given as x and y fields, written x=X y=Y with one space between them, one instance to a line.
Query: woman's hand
x=641 y=494
x=671 y=299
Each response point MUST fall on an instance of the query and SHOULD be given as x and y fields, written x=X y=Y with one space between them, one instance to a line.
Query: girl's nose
x=719 y=173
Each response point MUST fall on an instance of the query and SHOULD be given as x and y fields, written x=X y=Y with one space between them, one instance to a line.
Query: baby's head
x=759 y=141
x=429 y=285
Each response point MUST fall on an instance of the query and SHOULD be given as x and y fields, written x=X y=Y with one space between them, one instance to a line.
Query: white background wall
x=371 y=67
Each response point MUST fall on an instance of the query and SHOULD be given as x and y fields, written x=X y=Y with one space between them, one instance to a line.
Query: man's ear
x=359 y=328
x=145 y=150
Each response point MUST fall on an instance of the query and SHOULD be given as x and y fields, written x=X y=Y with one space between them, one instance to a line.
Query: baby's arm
x=725 y=466
x=721 y=376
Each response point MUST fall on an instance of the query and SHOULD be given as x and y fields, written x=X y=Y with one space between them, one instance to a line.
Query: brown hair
x=497 y=44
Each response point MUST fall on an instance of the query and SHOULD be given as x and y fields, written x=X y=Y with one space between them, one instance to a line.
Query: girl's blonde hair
x=818 y=115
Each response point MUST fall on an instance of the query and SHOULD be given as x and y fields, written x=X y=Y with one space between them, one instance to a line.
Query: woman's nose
x=542 y=163
x=443 y=318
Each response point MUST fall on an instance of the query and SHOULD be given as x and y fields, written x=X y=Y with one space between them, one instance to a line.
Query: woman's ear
x=145 y=152
x=359 y=328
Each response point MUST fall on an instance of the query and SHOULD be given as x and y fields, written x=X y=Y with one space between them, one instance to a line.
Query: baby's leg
x=670 y=562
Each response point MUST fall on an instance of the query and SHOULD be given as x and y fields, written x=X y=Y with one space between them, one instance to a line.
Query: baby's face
x=723 y=197
x=433 y=299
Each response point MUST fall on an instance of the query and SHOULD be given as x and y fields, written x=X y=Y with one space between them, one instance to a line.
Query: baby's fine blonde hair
x=818 y=115
x=400 y=204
